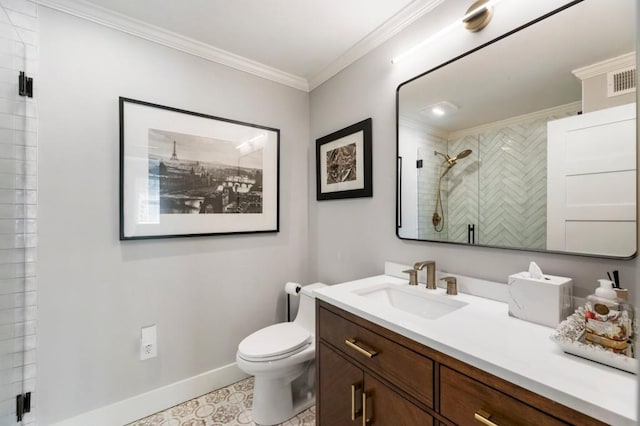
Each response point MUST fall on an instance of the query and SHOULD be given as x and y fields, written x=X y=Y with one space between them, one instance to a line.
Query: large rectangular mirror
x=529 y=142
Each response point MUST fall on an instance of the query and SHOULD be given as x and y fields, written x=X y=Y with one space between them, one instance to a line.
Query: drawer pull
x=483 y=417
x=355 y=412
x=365 y=419
x=352 y=343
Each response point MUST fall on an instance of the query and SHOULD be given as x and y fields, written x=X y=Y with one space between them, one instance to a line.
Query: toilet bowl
x=282 y=359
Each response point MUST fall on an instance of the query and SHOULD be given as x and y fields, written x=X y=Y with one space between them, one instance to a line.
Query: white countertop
x=483 y=335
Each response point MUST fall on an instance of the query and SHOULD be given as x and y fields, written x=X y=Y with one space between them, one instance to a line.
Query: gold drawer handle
x=355 y=412
x=483 y=417
x=365 y=419
x=352 y=343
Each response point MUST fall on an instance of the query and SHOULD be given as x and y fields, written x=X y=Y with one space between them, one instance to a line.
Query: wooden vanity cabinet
x=353 y=397
x=402 y=382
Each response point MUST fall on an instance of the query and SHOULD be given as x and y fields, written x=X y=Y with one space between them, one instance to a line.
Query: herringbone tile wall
x=462 y=188
x=513 y=186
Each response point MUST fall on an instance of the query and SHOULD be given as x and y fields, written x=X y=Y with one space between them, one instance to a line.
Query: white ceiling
x=307 y=41
x=526 y=72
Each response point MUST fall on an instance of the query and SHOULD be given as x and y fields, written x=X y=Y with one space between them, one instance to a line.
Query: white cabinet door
x=591 y=182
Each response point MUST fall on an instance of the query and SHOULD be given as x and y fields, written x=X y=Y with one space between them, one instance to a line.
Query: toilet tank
x=306 y=317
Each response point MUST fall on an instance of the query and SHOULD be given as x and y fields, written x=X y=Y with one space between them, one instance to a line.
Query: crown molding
x=120 y=22
x=415 y=10
x=572 y=107
x=135 y=27
x=415 y=124
x=614 y=64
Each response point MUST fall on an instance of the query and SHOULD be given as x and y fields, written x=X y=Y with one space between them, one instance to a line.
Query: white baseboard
x=134 y=408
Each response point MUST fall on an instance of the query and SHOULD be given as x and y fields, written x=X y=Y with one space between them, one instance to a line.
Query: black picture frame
x=187 y=174
x=344 y=163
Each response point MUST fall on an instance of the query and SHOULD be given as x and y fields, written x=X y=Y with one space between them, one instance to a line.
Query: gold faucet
x=431 y=272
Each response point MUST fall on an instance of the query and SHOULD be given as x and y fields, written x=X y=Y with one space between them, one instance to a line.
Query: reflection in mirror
x=529 y=142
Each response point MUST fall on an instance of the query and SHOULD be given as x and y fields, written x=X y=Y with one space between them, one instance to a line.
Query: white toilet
x=282 y=359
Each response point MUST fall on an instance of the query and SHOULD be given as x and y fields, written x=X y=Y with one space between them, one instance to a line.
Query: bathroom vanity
x=472 y=364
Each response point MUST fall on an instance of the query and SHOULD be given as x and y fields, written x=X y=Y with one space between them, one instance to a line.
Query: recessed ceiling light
x=439 y=109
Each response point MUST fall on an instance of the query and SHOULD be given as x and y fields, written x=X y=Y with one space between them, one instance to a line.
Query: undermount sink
x=413 y=300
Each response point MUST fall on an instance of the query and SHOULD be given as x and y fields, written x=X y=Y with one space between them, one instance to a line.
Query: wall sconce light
x=478 y=16
x=475 y=19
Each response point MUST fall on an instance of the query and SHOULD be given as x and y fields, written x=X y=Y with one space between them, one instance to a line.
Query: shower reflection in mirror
x=438 y=215
x=542 y=154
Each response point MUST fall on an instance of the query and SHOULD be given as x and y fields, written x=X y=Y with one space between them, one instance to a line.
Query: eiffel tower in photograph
x=174 y=156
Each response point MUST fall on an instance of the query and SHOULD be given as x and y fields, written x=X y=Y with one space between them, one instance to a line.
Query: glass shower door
x=18 y=185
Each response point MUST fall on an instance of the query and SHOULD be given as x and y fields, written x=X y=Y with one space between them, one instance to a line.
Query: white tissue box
x=546 y=301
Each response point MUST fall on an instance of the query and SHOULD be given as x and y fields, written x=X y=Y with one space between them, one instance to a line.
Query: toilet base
x=277 y=399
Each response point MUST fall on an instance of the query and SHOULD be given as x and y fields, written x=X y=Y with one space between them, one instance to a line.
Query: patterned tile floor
x=226 y=406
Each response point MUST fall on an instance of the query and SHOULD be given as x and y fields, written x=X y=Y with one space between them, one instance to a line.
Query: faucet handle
x=452 y=285
x=413 y=276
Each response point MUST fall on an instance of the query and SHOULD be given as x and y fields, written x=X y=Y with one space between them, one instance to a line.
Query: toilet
x=282 y=359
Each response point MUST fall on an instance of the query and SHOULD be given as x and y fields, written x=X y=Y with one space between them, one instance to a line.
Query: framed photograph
x=343 y=163
x=186 y=174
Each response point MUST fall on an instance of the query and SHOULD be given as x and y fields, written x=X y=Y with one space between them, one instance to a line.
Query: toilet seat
x=274 y=342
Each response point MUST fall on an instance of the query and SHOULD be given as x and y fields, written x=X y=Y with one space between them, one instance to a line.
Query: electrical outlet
x=148 y=343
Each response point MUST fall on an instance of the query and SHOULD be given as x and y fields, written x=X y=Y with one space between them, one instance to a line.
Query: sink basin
x=416 y=301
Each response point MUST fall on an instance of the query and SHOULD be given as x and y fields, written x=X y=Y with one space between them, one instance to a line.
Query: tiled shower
x=508 y=163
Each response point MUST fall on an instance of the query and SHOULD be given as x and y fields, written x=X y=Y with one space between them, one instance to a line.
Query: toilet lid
x=276 y=340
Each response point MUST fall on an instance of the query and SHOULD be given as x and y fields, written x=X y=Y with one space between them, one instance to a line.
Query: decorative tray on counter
x=570 y=337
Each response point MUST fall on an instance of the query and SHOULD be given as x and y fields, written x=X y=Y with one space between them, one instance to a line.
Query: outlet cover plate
x=148 y=343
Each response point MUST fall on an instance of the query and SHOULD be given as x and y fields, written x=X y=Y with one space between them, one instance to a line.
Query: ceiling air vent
x=621 y=82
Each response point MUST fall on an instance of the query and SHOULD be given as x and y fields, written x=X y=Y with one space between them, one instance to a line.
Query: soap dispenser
x=608 y=320
x=606 y=290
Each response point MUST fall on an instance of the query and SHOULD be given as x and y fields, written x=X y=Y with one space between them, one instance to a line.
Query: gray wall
x=95 y=292
x=352 y=238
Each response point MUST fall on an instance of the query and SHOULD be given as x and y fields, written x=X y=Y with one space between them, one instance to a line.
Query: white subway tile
x=21 y=20
x=30 y=254
x=30 y=341
x=27 y=36
x=30 y=299
x=7 y=181
x=30 y=269
x=11 y=271
x=10 y=197
x=30 y=211
x=12 y=256
x=12 y=301
x=27 y=182
x=7 y=150
x=29 y=357
x=9 y=226
x=29 y=372
x=8 y=211
x=30 y=284
x=8 y=31
x=28 y=8
x=14 y=285
x=27 y=138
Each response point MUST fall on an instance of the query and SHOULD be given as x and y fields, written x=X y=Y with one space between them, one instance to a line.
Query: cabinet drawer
x=461 y=398
x=404 y=368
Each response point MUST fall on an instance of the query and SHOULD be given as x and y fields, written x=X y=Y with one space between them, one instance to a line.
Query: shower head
x=451 y=161
x=463 y=154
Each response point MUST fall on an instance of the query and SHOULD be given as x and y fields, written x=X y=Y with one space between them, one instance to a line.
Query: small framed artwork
x=343 y=163
x=186 y=174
